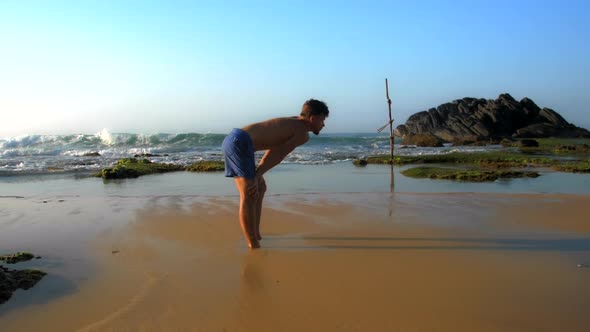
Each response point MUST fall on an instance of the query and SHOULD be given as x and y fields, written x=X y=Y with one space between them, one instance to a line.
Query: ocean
x=86 y=153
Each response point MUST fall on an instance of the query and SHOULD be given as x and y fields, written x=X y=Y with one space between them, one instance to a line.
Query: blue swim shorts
x=239 y=154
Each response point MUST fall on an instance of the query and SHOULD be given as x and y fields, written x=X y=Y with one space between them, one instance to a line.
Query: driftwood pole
x=390 y=120
x=391 y=182
x=390 y=123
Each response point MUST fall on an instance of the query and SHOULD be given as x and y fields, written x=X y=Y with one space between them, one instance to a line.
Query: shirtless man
x=278 y=137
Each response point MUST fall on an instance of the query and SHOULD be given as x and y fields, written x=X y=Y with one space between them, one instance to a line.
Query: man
x=278 y=137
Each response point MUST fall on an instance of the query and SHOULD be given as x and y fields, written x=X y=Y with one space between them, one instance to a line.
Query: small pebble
x=115 y=251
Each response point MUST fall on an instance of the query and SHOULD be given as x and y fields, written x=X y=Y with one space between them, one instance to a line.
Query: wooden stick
x=385 y=125
x=391 y=182
x=390 y=120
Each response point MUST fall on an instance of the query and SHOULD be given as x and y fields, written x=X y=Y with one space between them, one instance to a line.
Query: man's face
x=317 y=123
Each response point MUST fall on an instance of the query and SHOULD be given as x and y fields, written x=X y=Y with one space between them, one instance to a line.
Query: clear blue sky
x=189 y=66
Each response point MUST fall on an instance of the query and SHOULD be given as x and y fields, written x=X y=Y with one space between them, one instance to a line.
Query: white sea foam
x=105 y=136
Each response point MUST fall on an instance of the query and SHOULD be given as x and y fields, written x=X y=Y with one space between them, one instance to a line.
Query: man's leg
x=261 y=191
x=248 y=210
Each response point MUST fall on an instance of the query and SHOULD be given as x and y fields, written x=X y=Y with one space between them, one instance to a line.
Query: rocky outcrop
x=480 y=119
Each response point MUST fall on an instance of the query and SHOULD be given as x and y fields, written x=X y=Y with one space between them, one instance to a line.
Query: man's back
x=274 y=132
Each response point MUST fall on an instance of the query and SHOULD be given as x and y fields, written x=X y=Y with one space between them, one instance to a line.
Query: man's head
x=315 y=112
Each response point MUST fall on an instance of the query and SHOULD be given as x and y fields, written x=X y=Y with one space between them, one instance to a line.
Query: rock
x=133 y=168
x=423 y=140
x=528 y=143
x=207 y=166
x=468 y=118
x=577 y=148
x=359 y=162
x=11 y=280
x=91 y=154
x=473 y=175
x=16 y=258
x=536 y=130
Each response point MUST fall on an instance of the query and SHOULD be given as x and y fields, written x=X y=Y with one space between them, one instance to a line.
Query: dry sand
x=348 y=262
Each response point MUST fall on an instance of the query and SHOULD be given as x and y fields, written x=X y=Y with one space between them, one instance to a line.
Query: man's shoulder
x=303 y=136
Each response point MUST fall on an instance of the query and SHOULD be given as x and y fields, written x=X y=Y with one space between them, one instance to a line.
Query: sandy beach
x=329 y=262
x=425 y=166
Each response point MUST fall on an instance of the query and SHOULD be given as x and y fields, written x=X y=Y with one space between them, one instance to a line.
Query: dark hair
x=314 y=107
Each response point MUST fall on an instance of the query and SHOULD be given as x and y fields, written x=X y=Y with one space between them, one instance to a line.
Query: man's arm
x=274 y=156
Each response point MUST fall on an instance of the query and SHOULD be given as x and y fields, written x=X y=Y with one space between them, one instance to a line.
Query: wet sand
x=335 y=262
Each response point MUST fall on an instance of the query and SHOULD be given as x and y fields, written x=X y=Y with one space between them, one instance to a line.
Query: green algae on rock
x=133 y=168
x=18 y=257
x=464 y=175
x=360 y=162
x=574 y=167
x=11 y=280
x=575 y=148
x=206 y=166
x=559 y=146
x=489 y=159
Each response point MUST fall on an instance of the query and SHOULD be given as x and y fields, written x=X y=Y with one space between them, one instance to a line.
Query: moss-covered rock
x=422 y=140
x=133 y=168
x=464 y=175
x=488 y=159
x=574 y=167
x=360 y=162
x=16 y=258
x=11 y=280
x=207 y=166
x=575 y=148
x=127 y=161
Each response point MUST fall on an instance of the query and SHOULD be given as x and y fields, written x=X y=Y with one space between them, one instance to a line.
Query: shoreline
x=285 y=179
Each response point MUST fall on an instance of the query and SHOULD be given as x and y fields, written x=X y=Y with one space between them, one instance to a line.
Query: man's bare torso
x=274 y=132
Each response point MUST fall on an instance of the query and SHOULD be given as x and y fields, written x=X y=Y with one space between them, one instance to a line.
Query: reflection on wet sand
x=460 y=262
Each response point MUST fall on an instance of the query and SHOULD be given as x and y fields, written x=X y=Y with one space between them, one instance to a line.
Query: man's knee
x=261 y=185
x=247 y=188
x=262 y=188
x=251 y=195
x=248 y=199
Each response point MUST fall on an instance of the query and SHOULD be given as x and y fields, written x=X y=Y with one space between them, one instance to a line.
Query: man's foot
x=254 y=245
